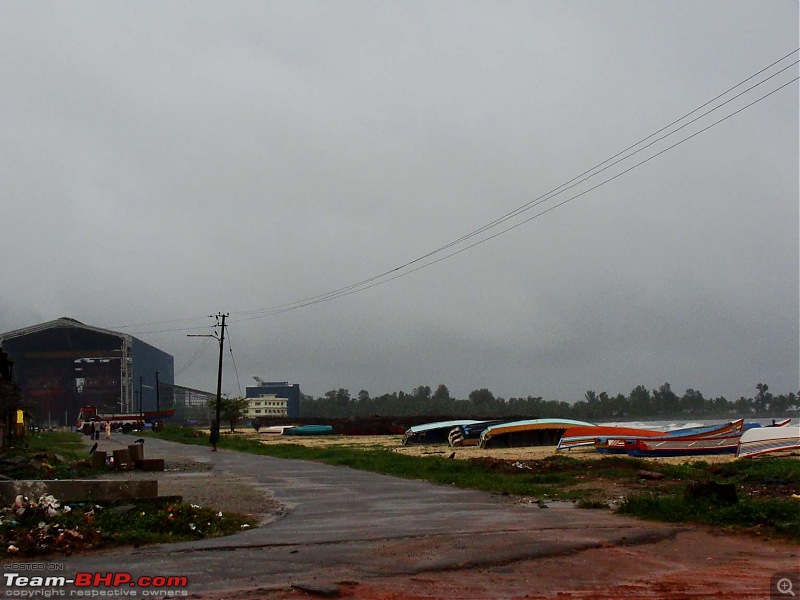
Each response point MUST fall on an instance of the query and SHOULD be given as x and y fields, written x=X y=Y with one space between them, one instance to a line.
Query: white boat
x=763 y=440
x=275 y=429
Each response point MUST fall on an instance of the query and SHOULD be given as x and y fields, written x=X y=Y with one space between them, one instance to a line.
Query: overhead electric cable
x=195 y=356
x=233 y=360
x=365 y=284
x=519 y=224
x=403 y=269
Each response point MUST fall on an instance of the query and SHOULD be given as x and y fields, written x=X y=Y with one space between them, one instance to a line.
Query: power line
x=195 y=356
x=519 y=224
x=393 y=274
x=235 y=370
x=403 y=269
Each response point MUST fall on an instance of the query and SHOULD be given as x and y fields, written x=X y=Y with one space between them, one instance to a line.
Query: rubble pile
x=41 y=526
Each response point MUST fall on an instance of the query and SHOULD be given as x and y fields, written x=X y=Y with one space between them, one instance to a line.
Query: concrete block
x=150 y=464
x=136 y=452
x=98 y=459
x=122 y=459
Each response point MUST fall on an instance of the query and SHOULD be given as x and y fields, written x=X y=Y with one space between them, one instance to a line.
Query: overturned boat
x=469 y=435
x=433 y=433
x=765 y=440
x=534 y=432
x=617 y=445
x=584 y=435
x=309 y=430
x=682 y=446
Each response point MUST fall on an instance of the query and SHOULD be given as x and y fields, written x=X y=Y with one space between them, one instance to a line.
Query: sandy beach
x=394 y=443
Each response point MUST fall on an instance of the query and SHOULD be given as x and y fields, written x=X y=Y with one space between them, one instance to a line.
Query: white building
x=266 y=405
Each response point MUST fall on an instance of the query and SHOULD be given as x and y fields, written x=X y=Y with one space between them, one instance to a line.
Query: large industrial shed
x=64 y=364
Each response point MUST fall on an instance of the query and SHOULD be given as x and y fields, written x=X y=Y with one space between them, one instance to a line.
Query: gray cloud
x=169 y=161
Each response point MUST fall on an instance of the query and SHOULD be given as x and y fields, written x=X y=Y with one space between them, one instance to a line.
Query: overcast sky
x=161 y=162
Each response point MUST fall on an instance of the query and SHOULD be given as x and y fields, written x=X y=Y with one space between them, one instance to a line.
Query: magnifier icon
x=784 y=586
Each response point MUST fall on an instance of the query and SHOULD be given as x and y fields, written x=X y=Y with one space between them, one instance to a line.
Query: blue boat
x=309 y=430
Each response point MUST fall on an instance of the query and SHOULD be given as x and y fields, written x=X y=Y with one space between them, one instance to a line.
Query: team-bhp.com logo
x=94 y=585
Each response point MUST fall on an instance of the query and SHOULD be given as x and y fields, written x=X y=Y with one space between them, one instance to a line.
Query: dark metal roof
x=63 y=322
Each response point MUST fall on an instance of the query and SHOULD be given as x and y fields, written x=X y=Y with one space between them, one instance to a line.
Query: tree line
x=662 y=402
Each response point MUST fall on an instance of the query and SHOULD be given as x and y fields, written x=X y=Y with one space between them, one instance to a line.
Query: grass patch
x=772 y=515
x=49 y=455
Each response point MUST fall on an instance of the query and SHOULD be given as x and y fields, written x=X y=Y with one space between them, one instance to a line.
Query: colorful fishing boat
x=765 y=440
x=433 y=433
x=584 y=435
x=534 y=432
x=617 y=445
x=682 y=446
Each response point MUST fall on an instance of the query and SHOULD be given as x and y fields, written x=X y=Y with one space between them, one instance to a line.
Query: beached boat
x=309 y=430
x=683 y=446
x=584 y=435
x=469 y=435
x=534 y=432
x=275 y=429
x=765 y=440
x=433 y=433
x=781 y=423
x=617 y=445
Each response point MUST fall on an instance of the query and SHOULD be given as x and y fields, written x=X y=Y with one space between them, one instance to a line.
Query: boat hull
x=767 y=440
x=655 y=447
x=535 y=432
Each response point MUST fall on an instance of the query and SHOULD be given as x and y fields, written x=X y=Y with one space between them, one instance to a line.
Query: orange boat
x=585 y=435
x=616 y=445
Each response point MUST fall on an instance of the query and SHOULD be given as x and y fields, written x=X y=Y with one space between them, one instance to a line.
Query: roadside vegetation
x=759 y=496
x=45 y=525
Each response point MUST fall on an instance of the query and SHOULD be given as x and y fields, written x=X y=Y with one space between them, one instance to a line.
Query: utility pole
x=215 y=427
x=158 y=406
x=141 y=402
x=158 y=398
x=221 y=320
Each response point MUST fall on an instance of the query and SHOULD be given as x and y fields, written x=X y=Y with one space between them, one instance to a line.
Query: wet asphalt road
x=347 y=525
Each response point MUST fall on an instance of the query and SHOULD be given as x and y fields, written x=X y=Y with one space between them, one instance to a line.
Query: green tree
x=665 y=401
x=763 y=398
x=442 y=394
x=483 y=402
x=231 y=409
x=338 y=404
x=693 y=402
